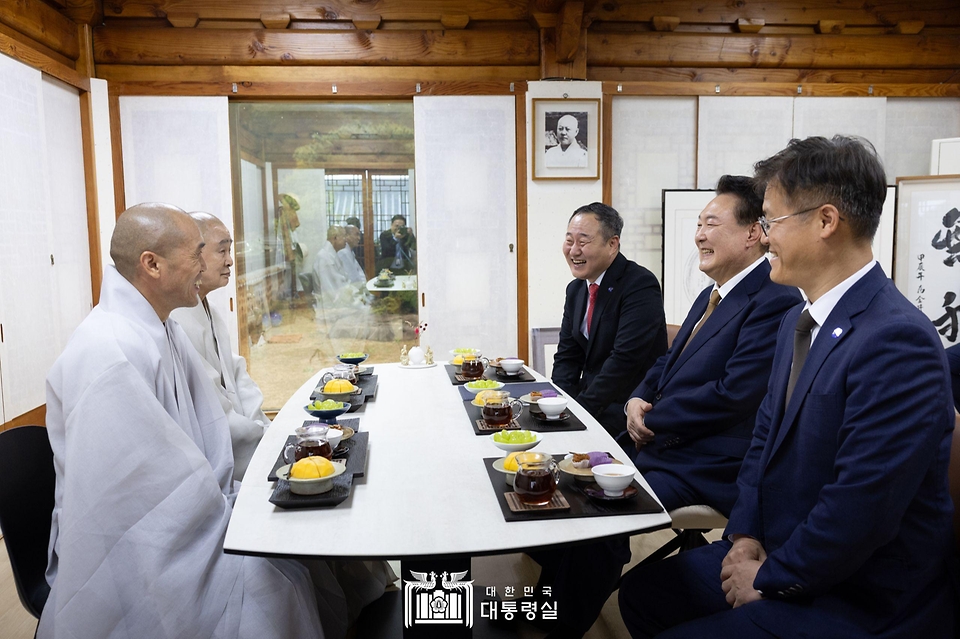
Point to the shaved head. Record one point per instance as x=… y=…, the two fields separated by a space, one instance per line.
x=146 y=227
x=157 y=248
x=207 y=222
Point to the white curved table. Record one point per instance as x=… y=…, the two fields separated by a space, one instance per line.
x=425 y=491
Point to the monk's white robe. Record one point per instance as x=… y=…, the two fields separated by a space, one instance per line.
x=144 y=493
x=351 y=266
x=240 y=397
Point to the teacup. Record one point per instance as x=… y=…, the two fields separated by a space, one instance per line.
x=613 y=478
x=552 y=407
x=511 y=365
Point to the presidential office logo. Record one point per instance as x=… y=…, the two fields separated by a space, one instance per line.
x=424 y=602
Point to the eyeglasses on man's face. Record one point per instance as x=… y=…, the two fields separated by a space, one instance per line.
x=765 y=224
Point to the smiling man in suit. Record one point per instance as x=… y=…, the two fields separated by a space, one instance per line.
x=613 y=326
x=843 y=523
x=692 y=416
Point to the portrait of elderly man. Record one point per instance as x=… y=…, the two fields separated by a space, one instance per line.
x=843 y=525
x=568 y=152
x=240 y=397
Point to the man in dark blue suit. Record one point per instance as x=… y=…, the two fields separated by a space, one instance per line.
x=692 y=416
x=843 y=523
x=613 y=327
x=953 y=356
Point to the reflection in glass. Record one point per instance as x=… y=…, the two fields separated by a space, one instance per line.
x=324 y=204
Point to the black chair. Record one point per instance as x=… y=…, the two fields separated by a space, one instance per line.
x=27 y=482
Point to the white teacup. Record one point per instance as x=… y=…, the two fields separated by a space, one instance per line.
x=613 y=478
x=552 y=407
x=512 y=365
x=334 y=435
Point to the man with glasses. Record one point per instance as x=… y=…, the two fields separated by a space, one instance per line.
x=843 y=524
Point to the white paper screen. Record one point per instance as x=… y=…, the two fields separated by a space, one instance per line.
x=466 y=220
x=735 y=132
x=826 y=117
x=177 y=150
x=27 y=309
x=654 y=148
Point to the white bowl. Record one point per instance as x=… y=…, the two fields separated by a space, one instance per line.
x=498 y=386
x=552 y=407
x=512 y=448
x=315 y=486
x=334 y=435
x=511 y=365
x=613 y=478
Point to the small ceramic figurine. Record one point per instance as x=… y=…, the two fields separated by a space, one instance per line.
x=404 y=358
x=429 y=355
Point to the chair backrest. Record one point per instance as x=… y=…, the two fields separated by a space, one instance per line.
x=540 y=338
x=27 y=483
x=672 y=330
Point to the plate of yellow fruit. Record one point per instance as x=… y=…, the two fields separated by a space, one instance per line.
x=311 y=475
x=483 y=384
x=515 y=440
x=339 y=389
x=355 y=357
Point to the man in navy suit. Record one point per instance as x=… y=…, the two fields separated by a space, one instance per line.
x=613 y=327
x=843 y=523
x=953 y=356
x=692 y=416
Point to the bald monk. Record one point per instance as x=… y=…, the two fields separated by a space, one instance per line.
x=239 y=395
x=144 y=466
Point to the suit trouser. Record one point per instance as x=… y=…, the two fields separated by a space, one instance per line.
x=582 y=578
x=681 y=597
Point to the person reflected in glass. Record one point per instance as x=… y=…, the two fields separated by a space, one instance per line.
x=287 y=224
x=352 y=268
x=398 y=246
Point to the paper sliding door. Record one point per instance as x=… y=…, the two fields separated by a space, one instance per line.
x=466 y=201
x=177 y=150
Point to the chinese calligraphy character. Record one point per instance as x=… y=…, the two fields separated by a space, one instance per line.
x=950 y=242
x=949 y=318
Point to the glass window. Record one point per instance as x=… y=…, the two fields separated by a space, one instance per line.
x=325 y=229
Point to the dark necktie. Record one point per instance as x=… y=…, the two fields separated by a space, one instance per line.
x=801 y=347
x=590 y=304
x=711 y=306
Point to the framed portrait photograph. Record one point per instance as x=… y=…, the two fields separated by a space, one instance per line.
x=928 y=249
x=566 y=139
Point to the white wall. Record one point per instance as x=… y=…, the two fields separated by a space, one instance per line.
x=549 y=206
x=103 y=150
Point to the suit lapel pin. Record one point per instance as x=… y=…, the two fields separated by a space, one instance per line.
x=837 y=332
x=610 y=290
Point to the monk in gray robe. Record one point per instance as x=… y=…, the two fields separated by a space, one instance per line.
x=240 y=397
x=145 y=470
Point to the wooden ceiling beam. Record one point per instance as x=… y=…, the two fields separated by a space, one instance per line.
x=809 y=12
x=243 y=75
x=84 y=11
x=568 y=31
x=114 y=45
x=275 y=20
x=794 y=76
x=42 y=23
x=802 y=51
x=347 y=10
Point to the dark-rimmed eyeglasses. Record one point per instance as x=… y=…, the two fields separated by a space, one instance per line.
x=765 y=224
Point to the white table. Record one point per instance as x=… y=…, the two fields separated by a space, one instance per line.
x=400 y=283
x=425 y=492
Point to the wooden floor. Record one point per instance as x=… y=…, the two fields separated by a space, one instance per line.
x=15 y=621
x=504 y=570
